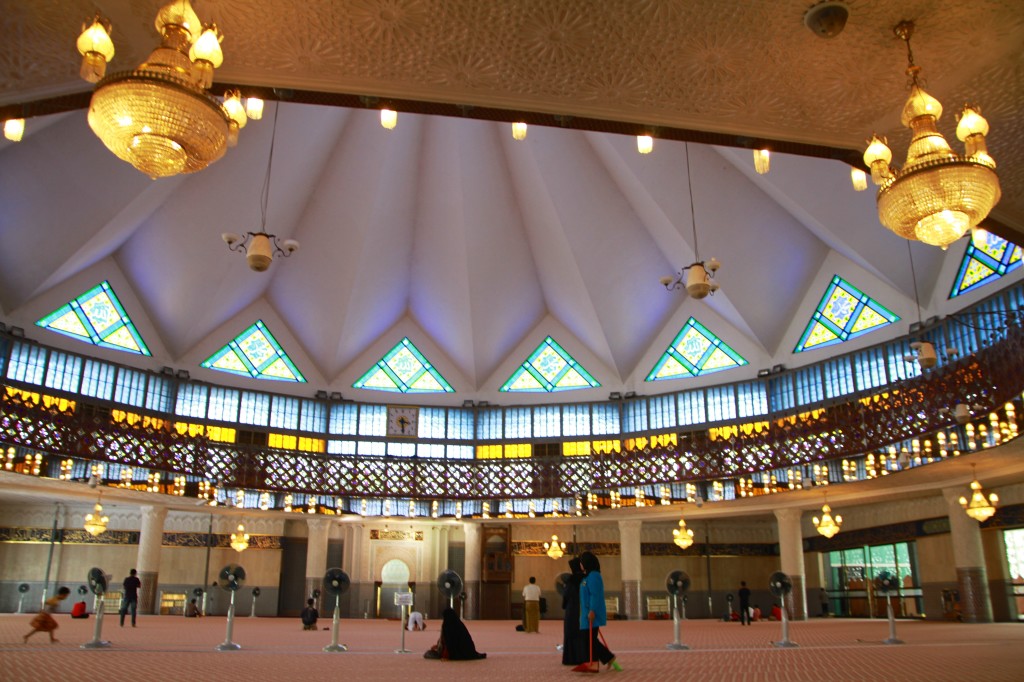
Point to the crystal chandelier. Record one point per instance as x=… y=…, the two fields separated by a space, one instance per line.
x=979 y=507
x=240 y=540
x=938 y=195
x=554 y=549
x=159 y=117
x=96 y=522
x=827 y=525
x=682 y=536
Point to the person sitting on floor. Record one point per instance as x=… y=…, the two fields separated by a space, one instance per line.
x=192 y=610
x=309 y=616
x=455 y=642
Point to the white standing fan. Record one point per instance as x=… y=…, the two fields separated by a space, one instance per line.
x=336 y=583
x=677 y=583
x=97 y=580
x=230 y=578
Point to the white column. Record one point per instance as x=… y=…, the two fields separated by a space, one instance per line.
x=632 y=571
x=969 y=557
x=473 y=570
x=316 y=554
x=791 y=553
x=147 y=562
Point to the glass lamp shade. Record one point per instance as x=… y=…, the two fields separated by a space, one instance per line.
x=827 y=525
x=96 y=48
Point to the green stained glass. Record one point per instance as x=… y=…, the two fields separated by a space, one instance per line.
x=984 y=263
x=549 y=368
x=694 y=351
x=404 y=369
x=97 y=317
x=255 y=353
x=844 y=313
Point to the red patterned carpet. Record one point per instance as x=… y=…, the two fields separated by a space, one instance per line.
x=175 y=648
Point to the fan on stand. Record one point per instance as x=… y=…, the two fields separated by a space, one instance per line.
x=22 y=591
x=677 y=583
x=97 y=580
x=885 y=584
x=336 y=583
x=450 y=584
x=255 y=596
x=230 y=578
x=200 y=595
x=780 y=586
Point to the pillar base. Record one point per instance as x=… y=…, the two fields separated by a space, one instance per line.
x=975 y=604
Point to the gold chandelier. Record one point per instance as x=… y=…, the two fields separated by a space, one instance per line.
x=682 y=536
x=159 y=117
x=96 y=522
x=554 y=549
x=240 y=540
x=979 y=507
x=827 y=525
x=938 y=195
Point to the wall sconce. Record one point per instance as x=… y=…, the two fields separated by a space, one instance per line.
x=388 y=118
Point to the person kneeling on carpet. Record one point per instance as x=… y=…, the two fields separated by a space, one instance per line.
x=309 y=616
x=455 y=642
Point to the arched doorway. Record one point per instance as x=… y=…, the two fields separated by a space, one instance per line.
x=394 y=577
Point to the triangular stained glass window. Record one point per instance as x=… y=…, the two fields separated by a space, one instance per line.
x=404 y=369
x=549 y=368
x=985 y=262
x=844 y=313
x=97 y=317
x=255 y=353
x=694 y=351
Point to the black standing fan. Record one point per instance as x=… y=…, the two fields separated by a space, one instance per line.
x=780 y=585
x=887 y=583
x=336 y=583
x=677 y=583
x=22 y=591
x=230 y=578
x=97 y=580
x=561 y=582
x=255 y=596
x=450 y=584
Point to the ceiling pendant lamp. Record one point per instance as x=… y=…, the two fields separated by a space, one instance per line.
x=682 y=536
x=554 y=549
x=96 y=522
x=699 y=275
x=980 y=507
x=938 y=195
x=159 y=117
x=827 y=525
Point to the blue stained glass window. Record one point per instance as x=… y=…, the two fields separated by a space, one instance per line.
x=844 y=313
x=404 y=369
x=694 y=351
x=985 y=262
x=255 y=353
x=549 y=368
x=97 y=317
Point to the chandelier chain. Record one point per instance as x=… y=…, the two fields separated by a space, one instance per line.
x=689 y=187
x=913 y=276
x=266 y=181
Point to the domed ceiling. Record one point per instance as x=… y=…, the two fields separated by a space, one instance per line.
x=477 y=247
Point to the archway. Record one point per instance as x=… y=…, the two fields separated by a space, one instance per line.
x=394 y=577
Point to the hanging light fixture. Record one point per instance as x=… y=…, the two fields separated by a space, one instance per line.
x=762 y=161
x=699 y=275
x=519 y=131
x=259 y=247
x=554 y=549
x=979 y=507
x=827 y=525
x=644 y=144
x=14 y=129
x=96 y=522
x=240 y=540
x=938 y=195
x=922 y=352
x=682 y=536
x=159 y=116
x=388 y=118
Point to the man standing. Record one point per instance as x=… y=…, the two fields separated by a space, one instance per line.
x=130 y=597
x=744 y=593
x=531 y=597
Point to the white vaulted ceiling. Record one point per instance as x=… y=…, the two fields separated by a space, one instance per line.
x=474 y=245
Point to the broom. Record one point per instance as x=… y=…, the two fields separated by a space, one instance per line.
x=591 y=665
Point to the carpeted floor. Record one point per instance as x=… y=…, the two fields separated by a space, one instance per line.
x=175 y=648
